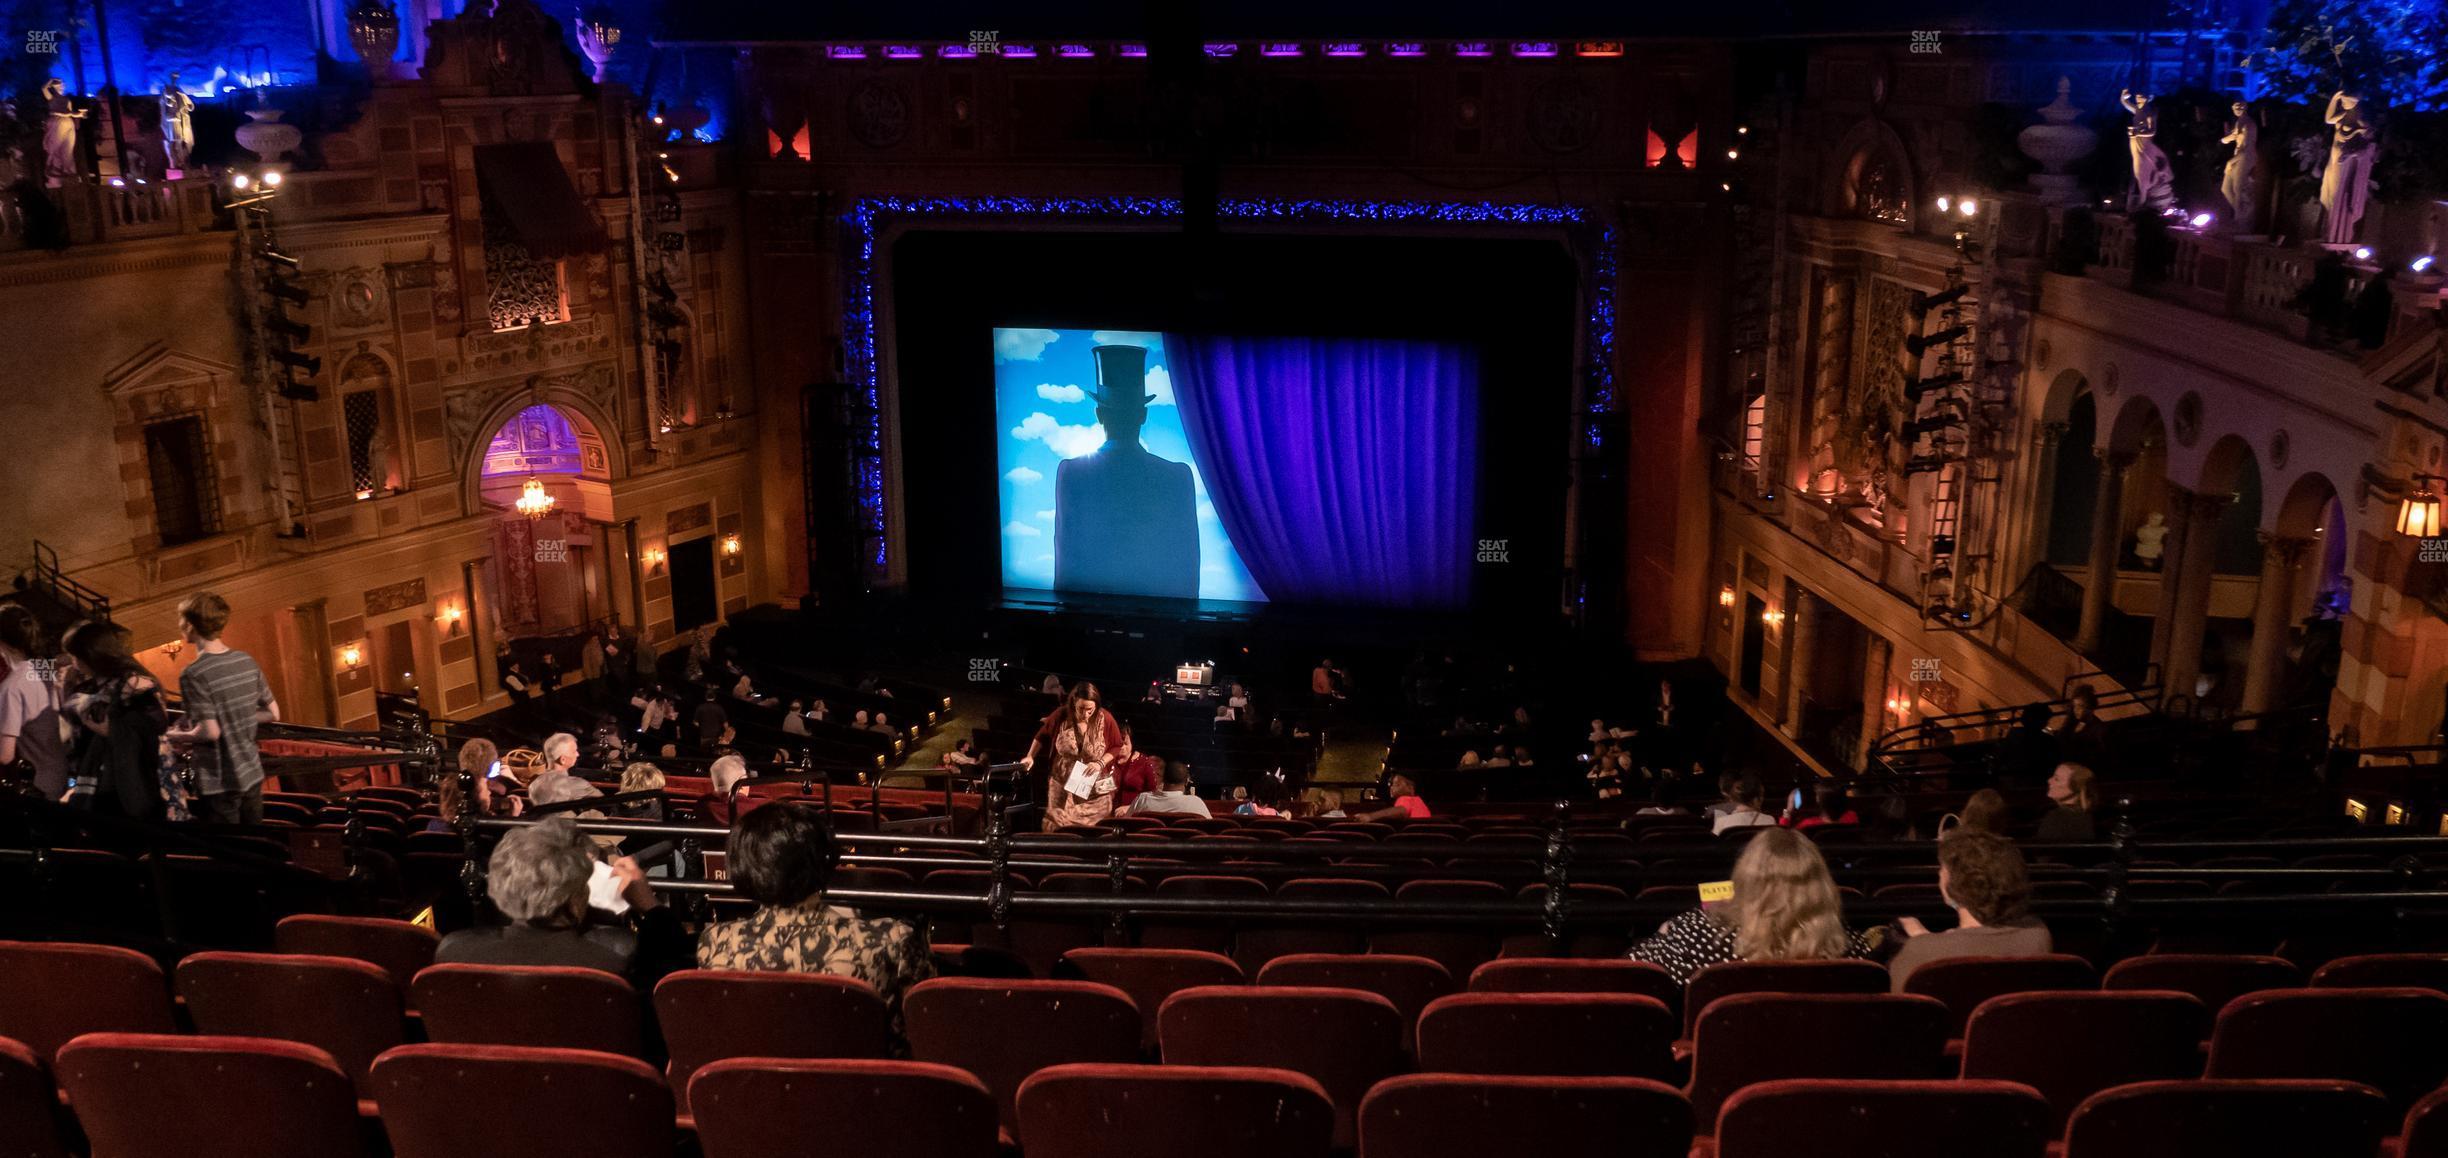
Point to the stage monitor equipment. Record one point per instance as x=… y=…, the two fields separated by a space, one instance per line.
x=1194 y=675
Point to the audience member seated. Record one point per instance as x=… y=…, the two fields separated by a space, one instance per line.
x=1981 y=877
x=1322 y=804
x=726 y=775
x=1174 y=797
x=794 y=720
x=2080 y=733
x=642 y=777
x=477 y=758
x=1663 y=795
x=1785 y=908
x=539 y=879
x=1726 y=783
x=1405 y=801
x=1746 y=813
x=963 y=756
x=782 y=856
x=2070 y=789
x=2025 y=754
x=1984 y=811
x=712 y=722
x=1827 y=808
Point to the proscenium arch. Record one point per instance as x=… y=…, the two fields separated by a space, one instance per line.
x=582 y=414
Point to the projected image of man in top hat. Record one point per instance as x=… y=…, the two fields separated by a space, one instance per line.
x=1124 y=520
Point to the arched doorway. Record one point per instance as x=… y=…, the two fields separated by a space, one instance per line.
x=545 y=475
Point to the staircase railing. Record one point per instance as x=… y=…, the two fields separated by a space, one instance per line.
x=47 y=577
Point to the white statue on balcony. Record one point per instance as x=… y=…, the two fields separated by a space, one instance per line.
x=2243 y=168
x=177 y=125
x=2154 y=184
x=2150 y=541
x=60 y=116
x=2346 y=183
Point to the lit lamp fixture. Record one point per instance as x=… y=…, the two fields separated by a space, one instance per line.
x=654 y=559
x=352 y=657
x=731 y=544
x=2419 y=515
x=1773 y=618
x=532 y=501
x=1725 y=597
x=450 y=617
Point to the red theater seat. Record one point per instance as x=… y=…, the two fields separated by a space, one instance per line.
x=1738 y=977
x=1131 y=1111
x=772 y=1107
x=1964 y=982
x=709 y=1014
x=1568 y=1034
x=1343 y=1039
x=1577 y=975
x=400 y=948
x=1151 y=975
x=1457 y=1116
x=50 y=993
x=1003 y=1031
x=344 y=1007
x=2215 y=978
x=543 y=1006
x=1409 y=982
x=2426 y=1128
x=2230 y=1119
x=1761 y=1037
x=2385 y=970
x=144 y=1095
x=1253 y=947
x=1205 y=934
x=1458 y=949
x=2070 y=1046
x=506 y=1101
x=2388 y=1039
x=1827 y=1118
x=29 y=1111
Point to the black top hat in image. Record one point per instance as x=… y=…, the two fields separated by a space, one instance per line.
x=1121 y=375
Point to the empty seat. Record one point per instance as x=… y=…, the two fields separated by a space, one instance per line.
x=1041 y=941
x=2215 y=978
x=2231 y=1119
x=508 y=1101
x=1739 y=977
x=2385 y=970
x=1964 y=982
x=772 y=1107
x=2388 y=1039
x=1206 y=934
x=2426 y=1128
x=29 y=1113
x=1577 y=975
x=2070 y=1046
x=50 y=993
x=711 y=1014
x=1253 y=947
x=1151 y=975
x=399 y=947
x=1132 y=1111
x=530 y=1005
x=1837 y=1118
x=1408 y=982
x=1345 y=1040
x=1760 y=1037
x=1567 y=1034
x=1465 y=1116
x=1003 y=1031
x=1458 y=948
x=347 y=1008
x=142 y=1095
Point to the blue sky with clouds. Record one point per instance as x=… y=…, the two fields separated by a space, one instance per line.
x=1042 y=410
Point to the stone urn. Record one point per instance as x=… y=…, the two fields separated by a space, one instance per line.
x=599 y=35
x=2059 y=140
x=374 y=31
x=265 y=136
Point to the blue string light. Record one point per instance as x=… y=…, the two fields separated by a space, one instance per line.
x=868 y=217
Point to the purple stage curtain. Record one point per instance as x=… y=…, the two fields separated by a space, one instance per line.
x=1344 y=469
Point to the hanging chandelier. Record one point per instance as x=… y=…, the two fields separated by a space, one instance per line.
x=532 y=501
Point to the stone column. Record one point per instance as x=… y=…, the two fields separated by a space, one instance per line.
x=2189 y=610
x=1875 y=659
x=2264 y=666
x=1802 y=619
x=2107 y=510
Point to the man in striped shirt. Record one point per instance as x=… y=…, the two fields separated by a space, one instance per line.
x=225 y=697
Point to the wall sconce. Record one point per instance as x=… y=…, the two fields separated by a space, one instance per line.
x=731 y=544
x=1725 y=596
x=450 y=618
x=2419 y=515
x=352 y=657
x=1773 y=618
x=654 y=560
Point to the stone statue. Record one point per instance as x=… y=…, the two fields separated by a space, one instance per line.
x=2154 y=184
x=177 y=125
x=60 y=116
x=2346 y=183
x=2243 y=168
x=2150 y=541
x=382 y=466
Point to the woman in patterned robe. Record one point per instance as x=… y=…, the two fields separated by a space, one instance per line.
x=1079 y=732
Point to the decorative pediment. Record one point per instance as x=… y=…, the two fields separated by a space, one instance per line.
x=158 y=367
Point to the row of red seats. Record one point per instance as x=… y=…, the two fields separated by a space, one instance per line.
x=1321 y=1017
x=154 y=1096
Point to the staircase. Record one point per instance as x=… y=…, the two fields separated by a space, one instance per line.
x=56 y=600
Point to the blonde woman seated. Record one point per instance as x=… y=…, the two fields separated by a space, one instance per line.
x=1785 y=908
